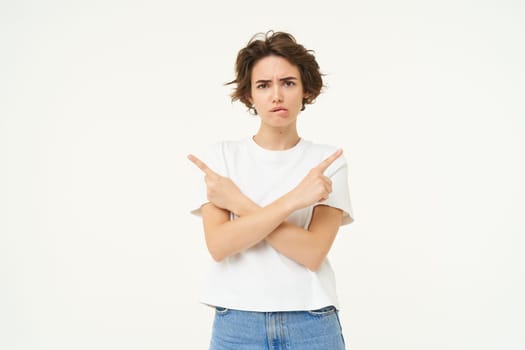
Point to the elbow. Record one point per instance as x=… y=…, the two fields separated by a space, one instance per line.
x=216 y=253
x=216 y=257
x=313 y=266
x=316 y=257
x=314 y=262
x=213 y=246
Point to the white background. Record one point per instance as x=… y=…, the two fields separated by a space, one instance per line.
x=100 y=101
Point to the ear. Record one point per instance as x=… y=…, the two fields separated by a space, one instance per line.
x=306 y=95
x=249 y=99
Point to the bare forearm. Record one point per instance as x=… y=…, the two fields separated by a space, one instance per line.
x=306 y=247
x=298 y=244
x=290 y=240
x=235 y=236
x=244 y=206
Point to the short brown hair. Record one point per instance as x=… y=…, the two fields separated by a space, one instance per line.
x=278 y=44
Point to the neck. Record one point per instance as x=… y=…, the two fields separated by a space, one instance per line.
x=276 y=139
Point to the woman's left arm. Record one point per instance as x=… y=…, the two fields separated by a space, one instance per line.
x=308 y=247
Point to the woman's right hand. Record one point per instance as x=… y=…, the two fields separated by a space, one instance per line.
x=221 y=191
x=315 y=187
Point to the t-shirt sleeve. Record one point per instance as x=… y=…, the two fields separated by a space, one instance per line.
x=213 y=159
x=340 y=196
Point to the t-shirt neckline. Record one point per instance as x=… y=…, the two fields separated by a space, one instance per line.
x=276 y=155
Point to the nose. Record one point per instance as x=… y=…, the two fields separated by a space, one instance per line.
x=277 y=94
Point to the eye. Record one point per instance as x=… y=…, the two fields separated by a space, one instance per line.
x=261 y=86
x=289 y=83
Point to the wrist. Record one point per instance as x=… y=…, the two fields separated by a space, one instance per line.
x=243 y=205
x=289 y=202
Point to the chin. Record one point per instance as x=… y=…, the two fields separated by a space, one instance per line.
x=283 y=126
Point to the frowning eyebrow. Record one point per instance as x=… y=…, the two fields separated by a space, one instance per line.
x=269 y=81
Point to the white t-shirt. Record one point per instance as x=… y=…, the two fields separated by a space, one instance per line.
x=260 y=278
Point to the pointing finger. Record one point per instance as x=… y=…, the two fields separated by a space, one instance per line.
x=328 y=161
x=201 y=165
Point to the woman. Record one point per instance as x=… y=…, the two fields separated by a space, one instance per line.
x=273 y=206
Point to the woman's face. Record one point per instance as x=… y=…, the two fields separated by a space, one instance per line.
x=276 y=91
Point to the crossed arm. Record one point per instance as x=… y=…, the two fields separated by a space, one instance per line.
x=308 y=247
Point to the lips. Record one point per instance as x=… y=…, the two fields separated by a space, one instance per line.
x=277 y=109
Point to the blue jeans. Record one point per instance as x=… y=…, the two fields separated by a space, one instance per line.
x=291 y=330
